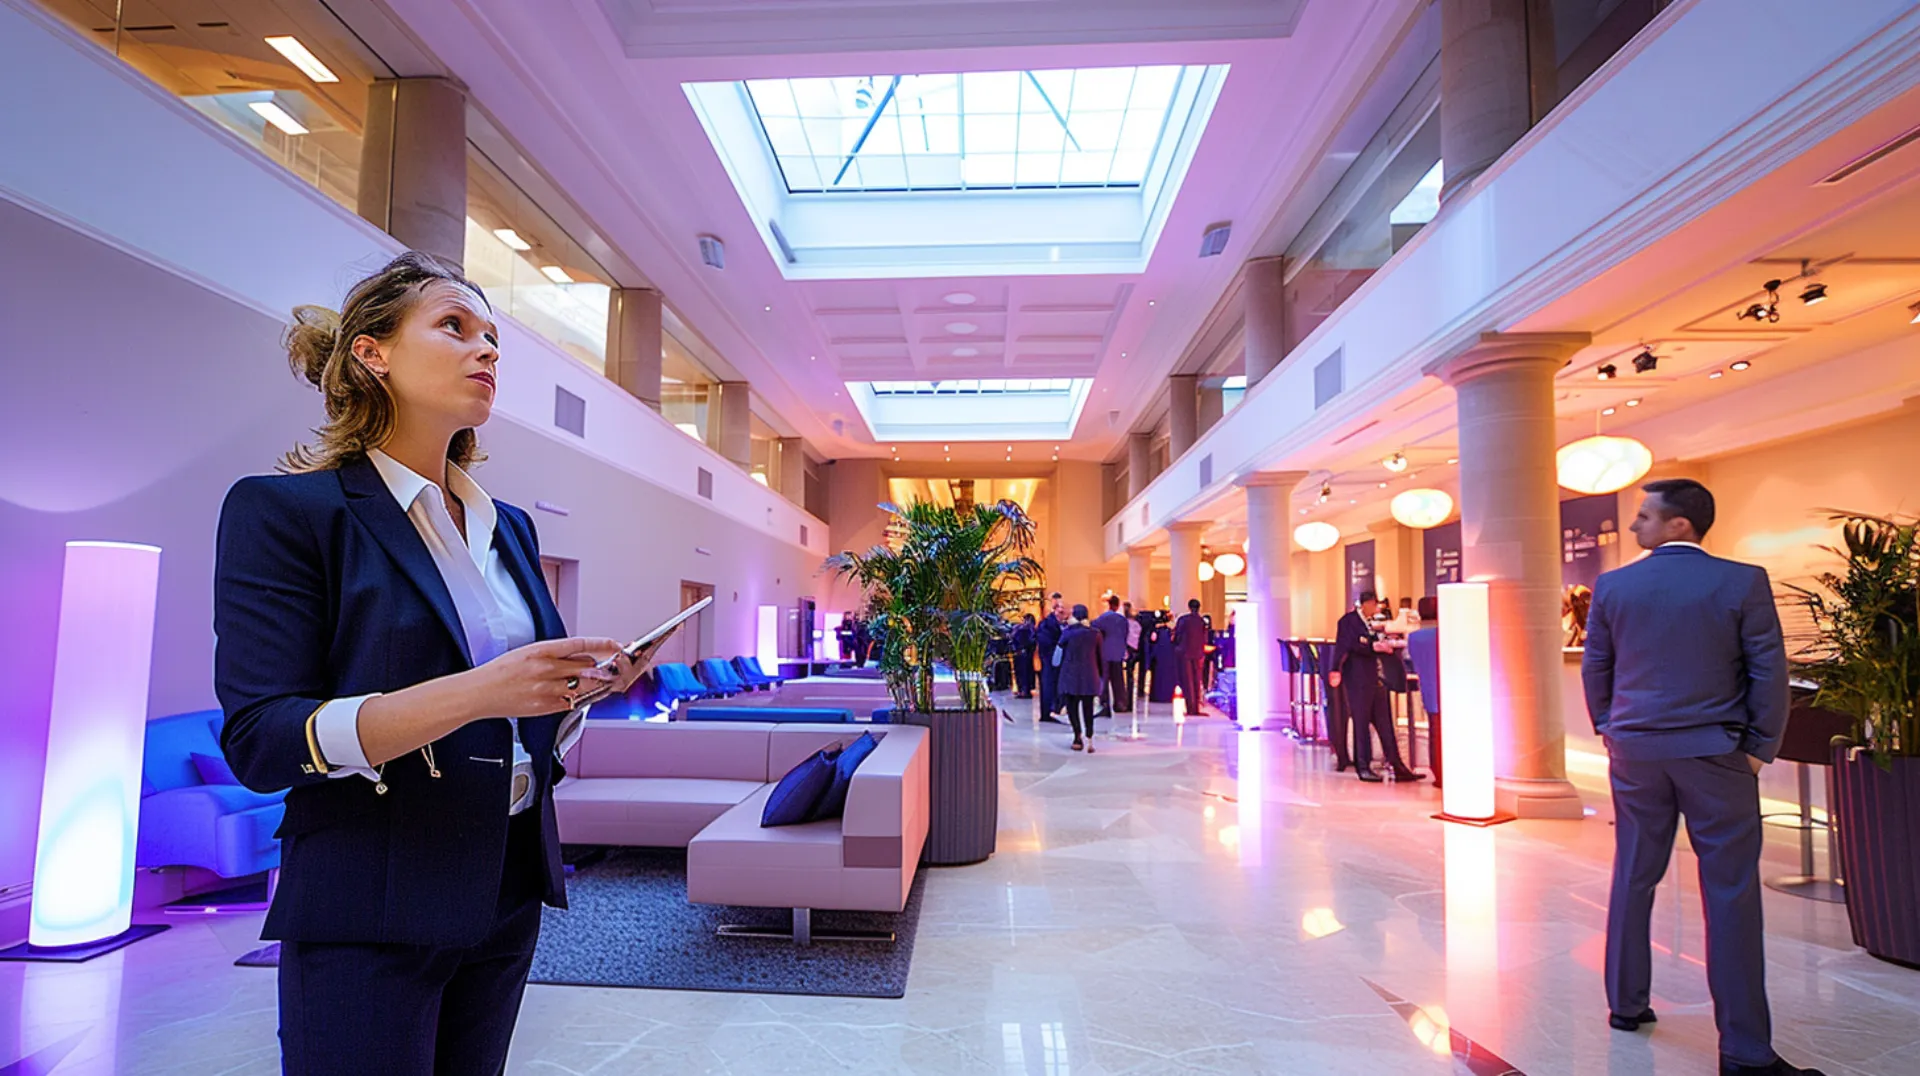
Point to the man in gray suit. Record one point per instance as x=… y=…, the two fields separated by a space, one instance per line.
x=1114 y=697
x=1686 y=679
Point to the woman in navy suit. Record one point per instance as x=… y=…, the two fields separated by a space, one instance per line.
x=388 y=653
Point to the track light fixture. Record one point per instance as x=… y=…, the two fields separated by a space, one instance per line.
x=1768 y=311
x=1395 y=463
x=1814 y=293
x=1326 y=492
x=1607 y=372
x=1645 y=362
x=1915 y=309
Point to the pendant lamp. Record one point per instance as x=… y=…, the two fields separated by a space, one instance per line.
x=1603 y=463
x=1229 y=564
x=1316 y=537
x=1421 y=508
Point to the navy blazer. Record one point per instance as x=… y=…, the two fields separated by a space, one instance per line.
x=1080 y=671
x=1685 y=658
x=1353 y=654
x=1047 y=635
x=323 y=589
x=1112 y=627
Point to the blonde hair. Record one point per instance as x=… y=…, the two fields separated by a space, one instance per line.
x=360 y=408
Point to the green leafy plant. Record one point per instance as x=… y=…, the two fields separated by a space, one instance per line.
x=940 y=593
x=1865 y=651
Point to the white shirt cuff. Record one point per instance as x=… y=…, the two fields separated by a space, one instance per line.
x=337 y=729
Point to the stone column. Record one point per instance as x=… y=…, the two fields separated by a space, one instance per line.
x=1209 y=408
x=792 y=479
x=1510 y=534
x=1186 y=564
x=413 y=164
x=1139 y=463
x=730 y=422
x=1183 y=414
x=1140 y=578
x=1270 y=579
x=634 y=342
x=1486 y=102
x=1263 y=300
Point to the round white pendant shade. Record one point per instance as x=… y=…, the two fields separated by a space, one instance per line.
x=1229 y=564
x=1206 y=572
x=1603 y=464
x=1316 y=537
x=1421 y=508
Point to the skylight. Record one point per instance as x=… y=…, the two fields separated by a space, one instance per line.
x=971 y=410
x=995 y=130
x=972 y=387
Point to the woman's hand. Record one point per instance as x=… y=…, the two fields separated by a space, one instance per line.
x=545 y=678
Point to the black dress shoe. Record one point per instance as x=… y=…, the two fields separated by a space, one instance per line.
x=1342 y=766
x=1409 y=775
x=1630 y=1023
x=1779 y=1067
x=1371 y=777
x=1051 y=720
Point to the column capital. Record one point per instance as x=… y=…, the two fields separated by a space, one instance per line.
x=1189 y=526
x=1493 y=352
x=1270 y=478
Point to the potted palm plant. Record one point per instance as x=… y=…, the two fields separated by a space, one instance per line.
x=940 y=591
x=1866 y=657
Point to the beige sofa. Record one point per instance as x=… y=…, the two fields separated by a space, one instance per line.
x=703 y=785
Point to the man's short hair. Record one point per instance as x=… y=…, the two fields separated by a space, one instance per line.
x=1685 y=499
x=1429 y=608
x=1079 y=612
x=1056 y=595
x=1113 y=601
x=1368 y=596
x=1193 y=605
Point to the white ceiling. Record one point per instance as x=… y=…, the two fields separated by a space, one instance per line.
x=597 y=103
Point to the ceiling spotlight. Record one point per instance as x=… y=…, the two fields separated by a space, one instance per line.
x=1149 y=302
x=1716 y=375
x=1395 y=463
x=1326 y=492
x=1454 y=459
x=1607 y=372
x=769 y=310
x=1644 y=362
x=1814 y=293
x=1608 y=410
x=1916 y=314
x=1768 y=311
x=1635 y=402
x=1739 y=364
x=1383 y=485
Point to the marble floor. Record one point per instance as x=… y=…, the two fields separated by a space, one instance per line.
x=1193 y=901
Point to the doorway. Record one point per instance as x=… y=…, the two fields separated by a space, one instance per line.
x=694 y=640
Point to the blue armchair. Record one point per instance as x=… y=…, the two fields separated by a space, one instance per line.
x=749 y=669
x=720 y=677
x=677 y=684
x=186 y=821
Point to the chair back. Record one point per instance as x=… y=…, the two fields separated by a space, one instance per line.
x=171 y=743
x=718 y=675
x=677 y=681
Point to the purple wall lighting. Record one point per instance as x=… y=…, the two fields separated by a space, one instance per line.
x=96 y=738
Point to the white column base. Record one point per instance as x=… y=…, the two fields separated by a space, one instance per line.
x=1552 y=797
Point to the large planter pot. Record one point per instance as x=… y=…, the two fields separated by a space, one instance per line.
x=1877 y=815
x=964 y=765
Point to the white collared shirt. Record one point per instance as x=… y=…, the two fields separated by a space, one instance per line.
x=1689 y=545
x=493 y=614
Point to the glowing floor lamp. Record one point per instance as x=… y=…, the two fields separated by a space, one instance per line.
x=831 y=625
x=766 y=644
x=1249 y=665
x=1466 y=705
x=96 y=741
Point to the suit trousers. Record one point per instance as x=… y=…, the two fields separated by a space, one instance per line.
x=1023 y=672
x=1367 y=707
x=1049 y=686
x=1117 y=698
x=1136 y=671
x=1719 y=797
x=416 y=1010
x=1193 y=681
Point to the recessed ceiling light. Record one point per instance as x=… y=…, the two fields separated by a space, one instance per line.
x=965 y=352
x=511 y=238
x=1608 y=410
x=960 y=298
x=1149 y=302
x=813 y=358
x=962 y=328
x=769 y=310
x=556 y=274
x=946 y=448
x=1383 y=485
x=1303 y=511
x=1716 y=375
x=277 y=116
x=1739 y=364
x=1455 y=459
x=1635 y=402
x=298 y=55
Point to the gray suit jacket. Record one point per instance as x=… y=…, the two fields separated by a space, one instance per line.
x=1685 y=658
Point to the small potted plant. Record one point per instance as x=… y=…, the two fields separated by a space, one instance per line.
x=941 y=589
x=1865 y=655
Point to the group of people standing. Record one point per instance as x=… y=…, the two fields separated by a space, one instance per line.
x=1088 y=667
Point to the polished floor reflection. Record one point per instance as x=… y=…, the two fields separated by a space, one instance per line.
x=1195 y=901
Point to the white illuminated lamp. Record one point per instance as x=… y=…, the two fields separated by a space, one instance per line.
x=1230 y=564
x=512 y=239
x=96 y=743
x=556 y=274
x=1317 y=536
x=301 y=57
x=277 y=116
x=1466 y=701
x=1602 y=463
x=1250 y=665
x=1206 y=572
x=1421 y=509
x=831 y=623
x=767 y=645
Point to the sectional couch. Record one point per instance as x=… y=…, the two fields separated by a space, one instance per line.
x=701 y=785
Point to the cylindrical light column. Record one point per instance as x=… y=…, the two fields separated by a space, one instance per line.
x=1510 y=534
x=1185 y=540
x=96 y=742
x=1269 y=593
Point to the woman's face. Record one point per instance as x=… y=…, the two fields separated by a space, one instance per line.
x=440 y=365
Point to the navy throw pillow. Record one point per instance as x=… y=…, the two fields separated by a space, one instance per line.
x=213 y=770
x=793 y=798
x=834 y=802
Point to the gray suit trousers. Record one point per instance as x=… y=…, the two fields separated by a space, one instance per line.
x=1720 y=799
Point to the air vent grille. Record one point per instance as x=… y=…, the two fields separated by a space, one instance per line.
x=569 y=412
x=713 y=252
x=705 y=482
x=1328 y=378
x=1872 y=158
x=1213 y=241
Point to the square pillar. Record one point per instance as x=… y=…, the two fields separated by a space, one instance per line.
x=413 y=164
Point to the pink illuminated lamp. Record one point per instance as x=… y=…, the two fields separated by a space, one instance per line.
x=1466 y=705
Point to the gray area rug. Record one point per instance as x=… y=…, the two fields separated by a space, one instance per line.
x=630 y=924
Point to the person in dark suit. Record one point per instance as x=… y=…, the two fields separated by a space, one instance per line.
x=1356 y=674
x=1023 y=645
x=1423 y=651
x=1146 y=619
x=1046 y=638
x=1685 y=673
x=388 y=654
x=1190 y=634
x=1077 y=660
x=1112 y=627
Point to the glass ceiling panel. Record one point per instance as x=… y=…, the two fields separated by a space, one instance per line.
x=993 y=130
x=973 y=387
